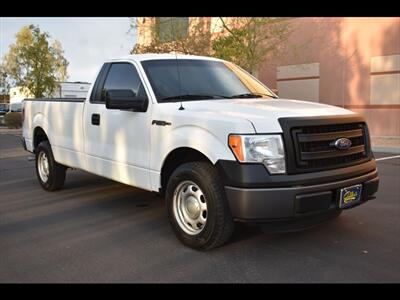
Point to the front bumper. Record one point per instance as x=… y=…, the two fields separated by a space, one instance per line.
x=296 y=201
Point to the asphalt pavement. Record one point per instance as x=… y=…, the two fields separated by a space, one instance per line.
x=98 y=230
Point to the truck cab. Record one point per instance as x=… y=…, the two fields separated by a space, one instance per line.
x=211 y=139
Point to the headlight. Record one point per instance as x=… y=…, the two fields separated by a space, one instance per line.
x=266 y=149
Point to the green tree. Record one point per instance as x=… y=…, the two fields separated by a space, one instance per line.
x=4 y=85
x=35 y=64
x=183 y=35
x=247 y=41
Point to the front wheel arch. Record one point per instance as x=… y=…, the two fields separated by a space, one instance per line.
x=219 y=224
x=176 y=158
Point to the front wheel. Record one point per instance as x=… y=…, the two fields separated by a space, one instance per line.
x=51 y=175
x=197 y=207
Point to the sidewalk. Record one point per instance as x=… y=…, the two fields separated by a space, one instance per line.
x=386 y=144
x=5 y=130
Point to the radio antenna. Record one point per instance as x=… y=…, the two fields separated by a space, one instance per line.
x=179 y=80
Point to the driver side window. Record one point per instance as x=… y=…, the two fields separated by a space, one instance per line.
x=124 y=79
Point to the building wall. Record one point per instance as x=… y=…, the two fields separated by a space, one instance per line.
x=17 y=94
x=72 y=90
x=349 y=62
x=359 y=67
x=145 y=26
x=64 y=90
x=300 y=82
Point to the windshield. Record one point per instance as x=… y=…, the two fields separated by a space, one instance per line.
x=193 y=79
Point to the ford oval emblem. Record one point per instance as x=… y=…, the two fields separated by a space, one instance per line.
x=342 y=143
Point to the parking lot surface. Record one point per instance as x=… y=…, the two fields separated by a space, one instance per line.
x=97 y=230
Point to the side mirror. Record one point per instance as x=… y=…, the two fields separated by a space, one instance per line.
x=125 y=99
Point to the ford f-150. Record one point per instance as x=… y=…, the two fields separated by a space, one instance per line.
x=211 y=139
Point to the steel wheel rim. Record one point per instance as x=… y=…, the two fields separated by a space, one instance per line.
x=43 y=166
x=190 y=207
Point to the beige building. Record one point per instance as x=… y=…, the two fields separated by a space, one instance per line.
x=17 y=94
x=349 y=62
x=76 y=89
x=344 y=61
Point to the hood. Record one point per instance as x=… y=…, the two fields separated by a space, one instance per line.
x=264 y=113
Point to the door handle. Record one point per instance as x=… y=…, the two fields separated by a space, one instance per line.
x=96 y=119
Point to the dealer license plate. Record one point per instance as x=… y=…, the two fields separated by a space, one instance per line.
x=350 y=196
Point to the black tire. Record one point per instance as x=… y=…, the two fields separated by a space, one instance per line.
x=219 y=225
x=57 y=171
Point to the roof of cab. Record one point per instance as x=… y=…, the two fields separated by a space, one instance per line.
x=153 y=56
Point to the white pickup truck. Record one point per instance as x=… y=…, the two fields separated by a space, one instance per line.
x=210 y=138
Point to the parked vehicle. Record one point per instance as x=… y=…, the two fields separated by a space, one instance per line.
x=3 y=109
x=211 y=139
x=16 y=107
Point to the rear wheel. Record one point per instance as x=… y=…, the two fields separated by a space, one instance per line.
x=51 y=175
x=197 y=207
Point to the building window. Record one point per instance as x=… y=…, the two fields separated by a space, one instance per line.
x=172 y=28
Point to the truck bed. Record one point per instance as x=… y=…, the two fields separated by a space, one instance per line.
x=61 y=119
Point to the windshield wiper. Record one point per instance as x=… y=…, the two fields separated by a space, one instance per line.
x=204 y=97
x=251 y=95
x=193 y=97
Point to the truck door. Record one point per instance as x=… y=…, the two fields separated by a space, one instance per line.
x=117 y=141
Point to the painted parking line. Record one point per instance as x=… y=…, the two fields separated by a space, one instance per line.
x=389 y=157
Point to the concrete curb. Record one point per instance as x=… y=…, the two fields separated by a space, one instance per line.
x=393 y=150
x=10 y=131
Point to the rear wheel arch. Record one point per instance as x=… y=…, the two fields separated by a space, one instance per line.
x=51 y=175
x=39 y=135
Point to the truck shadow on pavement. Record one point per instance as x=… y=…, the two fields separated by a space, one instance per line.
x=133 y=200
x=91 y=207
x=91 y=196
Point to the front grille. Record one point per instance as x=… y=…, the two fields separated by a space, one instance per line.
x=312 y=145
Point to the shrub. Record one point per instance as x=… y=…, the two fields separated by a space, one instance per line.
x=13 y=120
